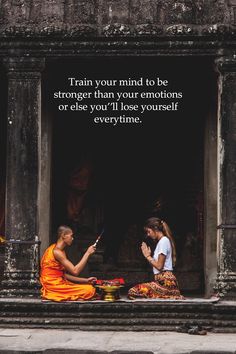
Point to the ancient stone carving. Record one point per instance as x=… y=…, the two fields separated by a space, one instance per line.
x=45 y=31
x=148 y=29
x=180 y=29
x=116 y=29
x=59 y=12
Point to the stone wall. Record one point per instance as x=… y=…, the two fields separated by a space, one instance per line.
x=123 y=17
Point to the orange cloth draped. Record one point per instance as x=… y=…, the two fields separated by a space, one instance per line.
x=55 y=286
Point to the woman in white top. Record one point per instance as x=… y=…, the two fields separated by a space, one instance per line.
x=165 y=285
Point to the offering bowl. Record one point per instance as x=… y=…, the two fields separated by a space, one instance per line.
x=110 y=292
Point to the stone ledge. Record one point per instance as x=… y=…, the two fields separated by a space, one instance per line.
x=75 y=351
x=118 y=316
x=117 y=30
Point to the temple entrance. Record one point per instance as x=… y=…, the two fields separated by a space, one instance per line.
x=114 y=177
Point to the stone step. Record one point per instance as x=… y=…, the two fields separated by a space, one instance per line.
x=128 y=316
x=98 y=316
x=108 y=321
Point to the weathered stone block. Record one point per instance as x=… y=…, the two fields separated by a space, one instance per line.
x=115 y=11
x=143 y=11
x=181 y=11
x=81 y=11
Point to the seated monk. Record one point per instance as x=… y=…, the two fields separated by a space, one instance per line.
x=57 y=285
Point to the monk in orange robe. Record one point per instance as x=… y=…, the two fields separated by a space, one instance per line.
x=57 y=285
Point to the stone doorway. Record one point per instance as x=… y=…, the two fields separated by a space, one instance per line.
x=165 y=168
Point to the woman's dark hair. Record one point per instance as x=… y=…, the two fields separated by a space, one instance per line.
x=63 y=230
x=157 y=224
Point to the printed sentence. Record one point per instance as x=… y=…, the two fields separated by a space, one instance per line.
x=80 y=96
x=112 y=82
x=115 y=120
x=173 y=106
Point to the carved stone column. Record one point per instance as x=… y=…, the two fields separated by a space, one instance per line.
x=226 y=277
x=23 y=176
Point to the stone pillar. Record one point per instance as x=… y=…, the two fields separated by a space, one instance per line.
x=210 y=201
x=226 y=256
x=21 y=271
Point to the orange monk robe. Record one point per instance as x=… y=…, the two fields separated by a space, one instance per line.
x=54 y=284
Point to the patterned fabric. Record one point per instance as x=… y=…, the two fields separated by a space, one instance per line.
x=55 y=286
x=165 y=286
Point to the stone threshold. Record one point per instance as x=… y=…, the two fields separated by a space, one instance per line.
x=81 y=351
x=123 y=299
x=75 y=351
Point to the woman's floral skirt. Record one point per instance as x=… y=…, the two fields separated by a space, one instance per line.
x=164 y=286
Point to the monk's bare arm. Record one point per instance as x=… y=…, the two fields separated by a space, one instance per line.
x=76 y=279
x=91 y=280
x=70 y=267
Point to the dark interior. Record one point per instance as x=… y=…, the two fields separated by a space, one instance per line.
x=136 y=170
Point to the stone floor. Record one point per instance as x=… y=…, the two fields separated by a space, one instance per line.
x=38 y=341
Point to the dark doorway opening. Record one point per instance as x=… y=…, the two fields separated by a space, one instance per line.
x=126 y=173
